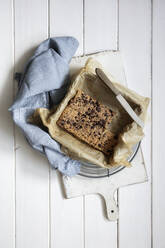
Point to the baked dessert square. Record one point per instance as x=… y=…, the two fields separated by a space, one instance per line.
x=89 y=121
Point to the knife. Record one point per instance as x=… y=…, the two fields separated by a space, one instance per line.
x=119 y=97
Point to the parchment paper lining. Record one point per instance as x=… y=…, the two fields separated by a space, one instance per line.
x=129 y=132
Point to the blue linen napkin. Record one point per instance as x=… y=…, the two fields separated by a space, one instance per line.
x=43 y=84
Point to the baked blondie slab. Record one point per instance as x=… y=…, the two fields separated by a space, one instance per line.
x=89 y=120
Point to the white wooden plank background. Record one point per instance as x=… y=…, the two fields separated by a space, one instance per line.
x=67 y=227
x=32 y=182
x=98 y=231
x=33 y=210
x=158 y=155
x=135 y=45
x=7 y=167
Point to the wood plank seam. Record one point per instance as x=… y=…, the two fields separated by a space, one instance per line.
x=83 y=27
x=117 y=27
x=117 y=47
x=151 y=72
x=84 y=237
x=14 y=127
x=49 y=177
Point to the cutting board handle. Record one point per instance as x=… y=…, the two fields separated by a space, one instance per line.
x=111 y=206
x=77 y=186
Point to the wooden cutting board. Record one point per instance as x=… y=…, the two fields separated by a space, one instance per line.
x=106 y=187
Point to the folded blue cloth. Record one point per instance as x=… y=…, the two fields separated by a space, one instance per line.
x=43 y=84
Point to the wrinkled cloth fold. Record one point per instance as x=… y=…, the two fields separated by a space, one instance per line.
x=43 y=84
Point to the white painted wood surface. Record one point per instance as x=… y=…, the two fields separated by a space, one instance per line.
x=158 y=155
x=135 y=45
x=32 y=182
x=97 y=36
x=67 y=227
x=33 y=211
x=7 y=167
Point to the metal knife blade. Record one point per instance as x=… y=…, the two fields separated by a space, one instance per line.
x=119 y=97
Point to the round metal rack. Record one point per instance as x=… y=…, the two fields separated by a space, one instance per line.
x=94 y=171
